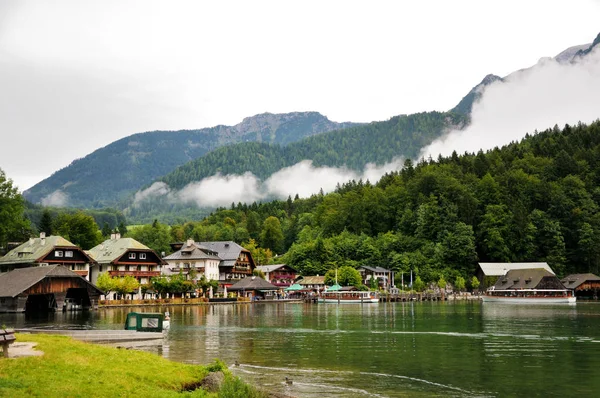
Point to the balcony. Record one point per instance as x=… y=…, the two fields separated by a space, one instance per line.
x=280 y=284
x=135 y=274
x=284 y=276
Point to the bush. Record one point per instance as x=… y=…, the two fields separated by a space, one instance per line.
x=234 y=387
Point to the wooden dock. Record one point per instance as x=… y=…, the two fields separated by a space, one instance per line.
x=99 y=335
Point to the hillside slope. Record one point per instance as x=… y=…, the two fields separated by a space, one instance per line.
x=377 y=142
x=110 y=174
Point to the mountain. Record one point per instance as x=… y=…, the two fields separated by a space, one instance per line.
x=465 y=105
x=377 y=142
x=110 y=174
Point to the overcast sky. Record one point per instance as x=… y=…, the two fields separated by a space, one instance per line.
x=78 y=75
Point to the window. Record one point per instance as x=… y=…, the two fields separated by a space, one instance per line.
x=69 y=253
x=142 y=256
x=58 y=253
x=132 y=256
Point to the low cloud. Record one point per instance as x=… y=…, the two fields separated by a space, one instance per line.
x=536 y=98
x=302 y=178
x=56 y=199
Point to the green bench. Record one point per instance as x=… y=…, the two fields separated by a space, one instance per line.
x=7 y=337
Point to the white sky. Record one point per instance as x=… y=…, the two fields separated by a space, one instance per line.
x=78 y=75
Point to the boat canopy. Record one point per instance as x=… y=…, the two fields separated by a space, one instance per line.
x=294 y=287
x=334 y=288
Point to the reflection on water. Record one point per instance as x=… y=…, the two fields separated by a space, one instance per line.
x=381 y=350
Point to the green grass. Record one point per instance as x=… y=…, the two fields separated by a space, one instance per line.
x=71 y=368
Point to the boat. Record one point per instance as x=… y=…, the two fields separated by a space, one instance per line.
x=529 y=286
x=147 y=322
x=342 y=296
x=530 y=296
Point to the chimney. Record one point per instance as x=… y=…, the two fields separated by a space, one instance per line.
x=118 y=236
x=43 y=238
x=190 y=242
x=112 y=236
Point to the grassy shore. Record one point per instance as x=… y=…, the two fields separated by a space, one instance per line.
x=70 y=368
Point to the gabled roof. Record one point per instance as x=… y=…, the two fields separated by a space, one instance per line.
x=17 y=281
x=112 y=249
x=253 y=283
x=228 y=250
x=499 y=269
x=195 y=251
x=274 y=267
x=374 y=269
x=573 y=281
x=523 y=278
x=35 y=248
x=312 y=280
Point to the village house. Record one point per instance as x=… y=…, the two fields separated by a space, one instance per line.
x=315 y=283
x=385 y=277
x=47 y=250
x=122 y=257
x=235 y=262
x=583 y=285
x=280 y=275
x=193 y=257
x=255 y=288
x=45 y=288
x=488 y=273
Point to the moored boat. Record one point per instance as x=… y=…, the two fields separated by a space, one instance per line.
x=530 y=296
x=349 y=296
x=529 y=286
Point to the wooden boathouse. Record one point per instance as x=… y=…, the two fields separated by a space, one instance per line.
x=45 y=288
x=585 y=286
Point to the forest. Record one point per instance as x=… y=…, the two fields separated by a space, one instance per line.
x=535 y=200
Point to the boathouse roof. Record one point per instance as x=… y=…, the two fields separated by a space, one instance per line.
x=499 y=269
x=253 y=283
x=527 y=279
x=374 y=269
x=575 y=280
x=15 y=282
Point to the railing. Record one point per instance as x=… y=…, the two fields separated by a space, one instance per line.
x=136 y=274
x=284 y=276
x=280 y=284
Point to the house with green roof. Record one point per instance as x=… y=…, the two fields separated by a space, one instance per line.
x=122 y=257
x=45 y=251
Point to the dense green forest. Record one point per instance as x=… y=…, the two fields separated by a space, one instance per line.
x=107 y=176
x=536 y=200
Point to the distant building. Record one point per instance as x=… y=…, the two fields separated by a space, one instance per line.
x=44 y=251
x=254 y=287
x=122 y=257
x=385 y=277
x=312 y=282
x=488 y=273
x=45 y=288
x=583 y=285
x=280 y=275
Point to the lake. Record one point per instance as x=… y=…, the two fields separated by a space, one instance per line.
x=451 y=349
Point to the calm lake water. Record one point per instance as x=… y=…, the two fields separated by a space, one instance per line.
x=383 y=350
